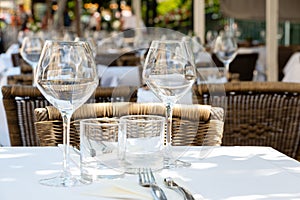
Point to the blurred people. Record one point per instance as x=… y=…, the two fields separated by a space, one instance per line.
x=129 y=22
x=1 y=42
x=67 y=18
x=95 y=22
x=23 y=18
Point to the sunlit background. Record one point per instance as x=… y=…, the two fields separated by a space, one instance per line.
x=173 y=14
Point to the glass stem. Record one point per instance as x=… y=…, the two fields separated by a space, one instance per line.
x=66 y=144
x=142 y=59
x=34 y=67
x=227 y=67
x=169 y=113
x=226 y=64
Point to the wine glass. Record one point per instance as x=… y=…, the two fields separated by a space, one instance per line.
x=169 y=71
x=225 y=48
x=31 y=50
x=67 y=77
x=141 y=45
x=91 y=42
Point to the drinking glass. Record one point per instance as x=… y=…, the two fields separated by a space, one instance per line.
x=91 y=42
x=66 y=75
x=169 y=71
x=99 y=154
x=141 y=45
x=140 y=137
x=31 y=50
x=225 y=48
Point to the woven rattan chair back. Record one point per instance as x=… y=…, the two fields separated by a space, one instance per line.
x=20 y=101
x=258 y=114
x=192 y=124
x=20 y=79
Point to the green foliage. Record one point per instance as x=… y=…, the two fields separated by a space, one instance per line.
x=174 y=14
x=166 y=6
x=212 y=6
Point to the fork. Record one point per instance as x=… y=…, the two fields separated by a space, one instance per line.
x=147 y=179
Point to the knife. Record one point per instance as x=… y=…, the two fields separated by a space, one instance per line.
x=170 y=183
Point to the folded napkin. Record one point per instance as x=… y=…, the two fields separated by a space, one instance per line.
x=119 y=189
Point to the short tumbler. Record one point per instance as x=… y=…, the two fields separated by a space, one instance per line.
x=141 y=142
x=99 y=149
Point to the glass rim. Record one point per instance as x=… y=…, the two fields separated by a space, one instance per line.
x=158 y=118
x=75 y=43
x=106 y=121
x=167 y=41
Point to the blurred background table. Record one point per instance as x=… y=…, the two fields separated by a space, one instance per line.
x=292 y=69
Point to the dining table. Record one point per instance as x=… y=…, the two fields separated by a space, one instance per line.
x=4 y=136
x=219 y=172
x=114 y=76
x=292 y=69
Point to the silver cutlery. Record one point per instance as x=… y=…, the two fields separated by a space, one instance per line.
x=147 y=179
x=170 y=183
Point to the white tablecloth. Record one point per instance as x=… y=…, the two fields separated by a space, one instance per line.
x=216 y=173
x=4 y=137
x=6 y=69
x=119 y=76
x=292 y=69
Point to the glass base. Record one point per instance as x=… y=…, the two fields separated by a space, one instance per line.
x=171 y=162
x=61 y=181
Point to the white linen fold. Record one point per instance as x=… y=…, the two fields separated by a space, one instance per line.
x=120 y=189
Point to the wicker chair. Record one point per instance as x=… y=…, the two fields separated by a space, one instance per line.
x=258 y=113
x=21 y=100
x=25 y=68
x=16 y=57
x=21 y=79
x=192 y=124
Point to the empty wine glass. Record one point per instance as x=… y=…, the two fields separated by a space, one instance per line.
x=169 y=71
x=225 y=48
x=90 y=41
x=67 y=77
x=31 y=50
x=141 y=45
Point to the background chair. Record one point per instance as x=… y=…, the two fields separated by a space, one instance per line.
x=117 y=59
x=21 y=79
x=243 y=64
x=284 y=54
x=20 y=101
x=192 y=124
x=258 y=113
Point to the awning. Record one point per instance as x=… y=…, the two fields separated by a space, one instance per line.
x=256 y=9
x=6 y=4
